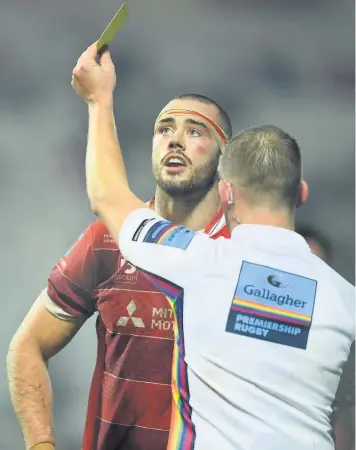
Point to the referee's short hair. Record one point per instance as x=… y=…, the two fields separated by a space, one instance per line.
x=265 y=164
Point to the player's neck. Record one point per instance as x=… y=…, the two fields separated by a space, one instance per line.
x=194 y=211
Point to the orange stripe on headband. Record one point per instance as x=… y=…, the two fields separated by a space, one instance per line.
x=187 y=112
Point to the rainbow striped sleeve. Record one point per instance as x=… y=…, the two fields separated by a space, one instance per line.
x=182 y=433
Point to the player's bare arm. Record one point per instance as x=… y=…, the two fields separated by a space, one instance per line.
x=108 y=190
x=39 y=337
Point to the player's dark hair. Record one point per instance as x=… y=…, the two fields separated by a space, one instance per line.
x=265 y=163
x=225 y=121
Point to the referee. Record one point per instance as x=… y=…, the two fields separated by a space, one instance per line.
x=263 y=326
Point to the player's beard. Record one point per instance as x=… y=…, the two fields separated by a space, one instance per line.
x=201 y=179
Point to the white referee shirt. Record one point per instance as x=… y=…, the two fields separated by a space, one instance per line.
x=264 y=328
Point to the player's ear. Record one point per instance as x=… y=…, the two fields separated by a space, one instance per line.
x=303 y=193
x=226 y=192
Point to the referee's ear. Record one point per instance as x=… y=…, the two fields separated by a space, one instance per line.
x=303 y=193
x=227 y=193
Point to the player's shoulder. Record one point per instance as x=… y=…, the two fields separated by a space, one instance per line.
x=101 y=238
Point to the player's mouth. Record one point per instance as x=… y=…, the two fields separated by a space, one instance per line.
x=175 y=163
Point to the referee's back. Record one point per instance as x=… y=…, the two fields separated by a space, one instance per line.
x=265 y=327
x=266 y=344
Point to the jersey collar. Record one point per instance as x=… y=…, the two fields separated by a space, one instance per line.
x=213 y=226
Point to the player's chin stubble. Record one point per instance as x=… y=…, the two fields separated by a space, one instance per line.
x=201 y=179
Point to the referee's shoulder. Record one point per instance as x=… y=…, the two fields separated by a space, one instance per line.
x=330 y=275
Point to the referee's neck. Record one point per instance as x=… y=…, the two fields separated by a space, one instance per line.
x=261 y=216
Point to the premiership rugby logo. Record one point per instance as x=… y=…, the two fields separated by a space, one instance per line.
x=272 y=305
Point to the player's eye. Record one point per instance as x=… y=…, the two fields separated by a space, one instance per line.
x=166 y=131
x=195 y=133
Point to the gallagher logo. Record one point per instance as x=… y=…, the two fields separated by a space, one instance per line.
x=276 y=281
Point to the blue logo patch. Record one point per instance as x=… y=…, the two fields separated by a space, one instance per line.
x=165 y=233
x=272 y=305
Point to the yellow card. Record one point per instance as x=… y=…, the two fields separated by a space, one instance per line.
x=116 y=23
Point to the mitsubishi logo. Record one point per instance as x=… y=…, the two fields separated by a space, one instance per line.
x=137 y=321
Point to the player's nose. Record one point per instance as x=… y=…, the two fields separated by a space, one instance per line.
x=176 y=144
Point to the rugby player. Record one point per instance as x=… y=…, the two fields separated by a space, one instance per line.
x=130 y=397
x=268 y=326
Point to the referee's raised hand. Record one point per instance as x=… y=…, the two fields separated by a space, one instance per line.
x=94 y=82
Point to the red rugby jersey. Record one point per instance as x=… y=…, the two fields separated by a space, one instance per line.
x=130 y=397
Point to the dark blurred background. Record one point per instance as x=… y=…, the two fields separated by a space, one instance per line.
x=283 y=62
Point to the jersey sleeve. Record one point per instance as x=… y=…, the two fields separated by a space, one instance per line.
x=158 y=247
x=72 y=281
